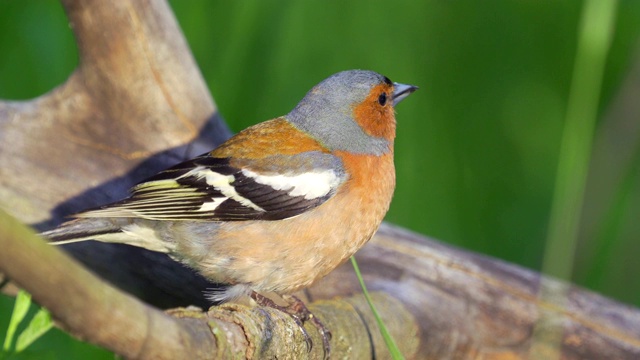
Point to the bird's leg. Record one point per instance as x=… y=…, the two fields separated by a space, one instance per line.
x=300 y=314
x=298 y=307
x=265 y=301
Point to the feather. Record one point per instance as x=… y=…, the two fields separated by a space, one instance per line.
x=219 y=189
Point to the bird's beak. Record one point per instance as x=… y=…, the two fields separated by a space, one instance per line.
x=401 y=91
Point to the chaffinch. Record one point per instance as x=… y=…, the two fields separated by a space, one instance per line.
x=275 y=207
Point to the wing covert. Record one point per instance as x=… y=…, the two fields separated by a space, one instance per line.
x=222 y=189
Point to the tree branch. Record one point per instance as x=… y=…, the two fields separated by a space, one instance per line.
x=127 y=112
x=136 y=105
x=91 y=309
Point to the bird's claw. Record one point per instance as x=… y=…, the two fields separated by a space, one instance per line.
x=300 y=314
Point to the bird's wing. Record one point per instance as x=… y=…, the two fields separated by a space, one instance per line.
x=222 y=189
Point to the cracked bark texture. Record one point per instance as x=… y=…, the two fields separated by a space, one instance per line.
x=137 y=104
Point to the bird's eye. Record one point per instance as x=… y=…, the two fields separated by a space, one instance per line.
x=382 y=99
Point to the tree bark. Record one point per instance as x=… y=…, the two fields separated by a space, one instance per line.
x=94 y=311
x=137 y=104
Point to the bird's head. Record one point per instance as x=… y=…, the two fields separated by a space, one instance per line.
x=352 y=111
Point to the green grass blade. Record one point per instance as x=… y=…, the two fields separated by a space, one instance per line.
x=391 y=344
x=20 y=309
x=38 y=326
x=594 y=38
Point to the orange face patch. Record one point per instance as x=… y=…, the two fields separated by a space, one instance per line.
x=377 y=119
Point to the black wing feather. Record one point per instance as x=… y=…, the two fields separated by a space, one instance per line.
x=183 y=193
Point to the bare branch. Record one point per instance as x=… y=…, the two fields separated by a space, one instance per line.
x=129 y=109
x=94 y=311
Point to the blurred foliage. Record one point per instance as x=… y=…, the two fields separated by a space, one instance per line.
x=477 y=145
x=56 y=344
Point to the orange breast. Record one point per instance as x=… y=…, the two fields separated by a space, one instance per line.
x=286 y=255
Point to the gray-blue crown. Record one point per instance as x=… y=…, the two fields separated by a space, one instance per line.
x=326 y=112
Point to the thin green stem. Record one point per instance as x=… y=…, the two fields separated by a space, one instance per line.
x=595 y=33
x=391 y=344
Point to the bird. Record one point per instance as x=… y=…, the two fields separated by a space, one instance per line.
x=277 y=206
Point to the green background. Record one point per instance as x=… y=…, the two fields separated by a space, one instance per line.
x=477 y=145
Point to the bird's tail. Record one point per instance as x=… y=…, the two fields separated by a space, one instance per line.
x=81 y=230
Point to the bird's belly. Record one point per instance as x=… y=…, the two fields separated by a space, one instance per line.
x=286 y=255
